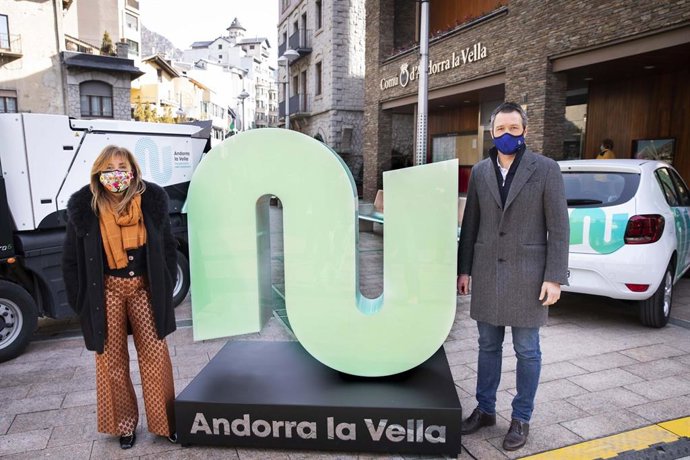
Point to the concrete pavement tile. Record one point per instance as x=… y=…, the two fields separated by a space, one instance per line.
x=560 y=329
x=71 y=452
x=53 y=418
x=551 y=413
x=556 y=389
x=540 y=439
x=37 y=350
x=658 y=369
x=596 y=426
x=461 y=357
x=261 y=454
x=559 y=370
x=604 y=361
x=685 y=359
x=652 y=352
x=482 y=449
x=23 y=442
x=660 y=411
x=5 y=422
x=602 y=380
x=26 y=405
x=195 y=453
x=28 y=378
x=489 y=432
x=607 y=400
x=656 y=390
x=65 y=435
x=508 y=364
x=462 y=372
x=460 y=345
x=16 y=392
x=86 y=382
x=79 y=398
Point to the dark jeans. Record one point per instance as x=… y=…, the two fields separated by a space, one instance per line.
x=526 y=345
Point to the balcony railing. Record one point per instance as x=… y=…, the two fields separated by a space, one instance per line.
x=299 y=105
x=10 y=46
x=300 y=41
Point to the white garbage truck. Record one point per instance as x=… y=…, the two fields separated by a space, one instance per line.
x=44 y=159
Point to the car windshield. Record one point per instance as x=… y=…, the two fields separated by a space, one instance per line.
x=599 y=189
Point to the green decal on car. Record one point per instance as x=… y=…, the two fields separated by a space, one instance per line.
x=595 y=219
x=681 y=219
x=231 y=265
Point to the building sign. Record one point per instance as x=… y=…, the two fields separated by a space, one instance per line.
x=468 y=55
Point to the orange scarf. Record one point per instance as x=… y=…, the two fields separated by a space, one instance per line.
x=122 y=232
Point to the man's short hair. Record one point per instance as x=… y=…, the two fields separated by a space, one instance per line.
x=509 y=107
x=607 y=143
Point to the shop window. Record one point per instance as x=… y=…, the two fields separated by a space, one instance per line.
x=96 y=99
x=575 y=124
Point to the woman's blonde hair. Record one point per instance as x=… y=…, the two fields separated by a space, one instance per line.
x=101 y=196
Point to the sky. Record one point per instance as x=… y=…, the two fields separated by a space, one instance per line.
x=183 y=22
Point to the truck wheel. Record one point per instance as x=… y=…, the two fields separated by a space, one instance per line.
x=655 y=311
x=18 y=314
x=182 y=283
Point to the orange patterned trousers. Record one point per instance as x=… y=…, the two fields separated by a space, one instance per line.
x=128 y=300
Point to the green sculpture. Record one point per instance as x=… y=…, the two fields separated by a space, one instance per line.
x=230 y=252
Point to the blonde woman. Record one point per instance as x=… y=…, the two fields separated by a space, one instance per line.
x=119 y=267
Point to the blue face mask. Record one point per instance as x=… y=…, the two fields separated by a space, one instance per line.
x=509 y=144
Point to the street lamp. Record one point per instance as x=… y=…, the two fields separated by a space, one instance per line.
x=242 y=96
x=287 y=57
x=423 y=91
x=180 y=111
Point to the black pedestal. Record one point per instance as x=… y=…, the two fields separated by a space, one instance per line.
x=275 y=395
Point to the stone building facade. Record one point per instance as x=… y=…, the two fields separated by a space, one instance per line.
x=326 y=97
x=549 y=57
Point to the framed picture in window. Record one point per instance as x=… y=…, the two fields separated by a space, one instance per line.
x=661 y=149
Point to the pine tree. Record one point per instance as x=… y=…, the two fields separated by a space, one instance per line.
x=107 y=47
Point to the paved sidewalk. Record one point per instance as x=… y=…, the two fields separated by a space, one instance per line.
x=603 y=373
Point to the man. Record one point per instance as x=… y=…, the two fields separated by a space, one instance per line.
x=514 y=245
x=606 y=150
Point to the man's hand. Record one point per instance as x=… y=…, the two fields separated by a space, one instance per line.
x=464 y=284
x=550 y=293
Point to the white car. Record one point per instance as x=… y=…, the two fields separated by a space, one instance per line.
x=629 y=224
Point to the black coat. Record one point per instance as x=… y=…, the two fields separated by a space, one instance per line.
x=83 y=269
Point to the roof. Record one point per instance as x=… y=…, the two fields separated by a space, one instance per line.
x=158 y=60
x=236 y=25
x=104 y=63
x=254 y=40
x=203 y=44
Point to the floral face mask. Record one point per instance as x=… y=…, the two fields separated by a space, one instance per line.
x=116 y=181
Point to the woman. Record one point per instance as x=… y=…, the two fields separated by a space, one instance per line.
x=119 y=264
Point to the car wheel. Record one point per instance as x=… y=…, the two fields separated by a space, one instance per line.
x=17 y=319
x=655 y=311
x=182 y=280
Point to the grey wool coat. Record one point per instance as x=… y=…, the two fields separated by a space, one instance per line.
x=510 y=251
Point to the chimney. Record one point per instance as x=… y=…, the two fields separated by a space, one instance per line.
x=123 y=49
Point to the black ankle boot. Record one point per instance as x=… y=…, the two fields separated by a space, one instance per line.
x=127 y=440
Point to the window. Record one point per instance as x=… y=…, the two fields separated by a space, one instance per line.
x=319 y=20
x=133 y=47
x=220 y=46
x=681 y=189
x=132 y=21
x=159 y=73
x=4 y=32
x=96 y=99
x=8 y=104
x=599 y=189
x=317 y=79
x=220 y=56
x=251 y=47
x=667 y=187
x=294 y=86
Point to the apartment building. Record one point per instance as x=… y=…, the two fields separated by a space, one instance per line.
x=321 y=48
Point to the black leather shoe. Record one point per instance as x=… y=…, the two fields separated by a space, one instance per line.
x=127 y=440
x=517 y=435
x=477 y=420
x=173 y=438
